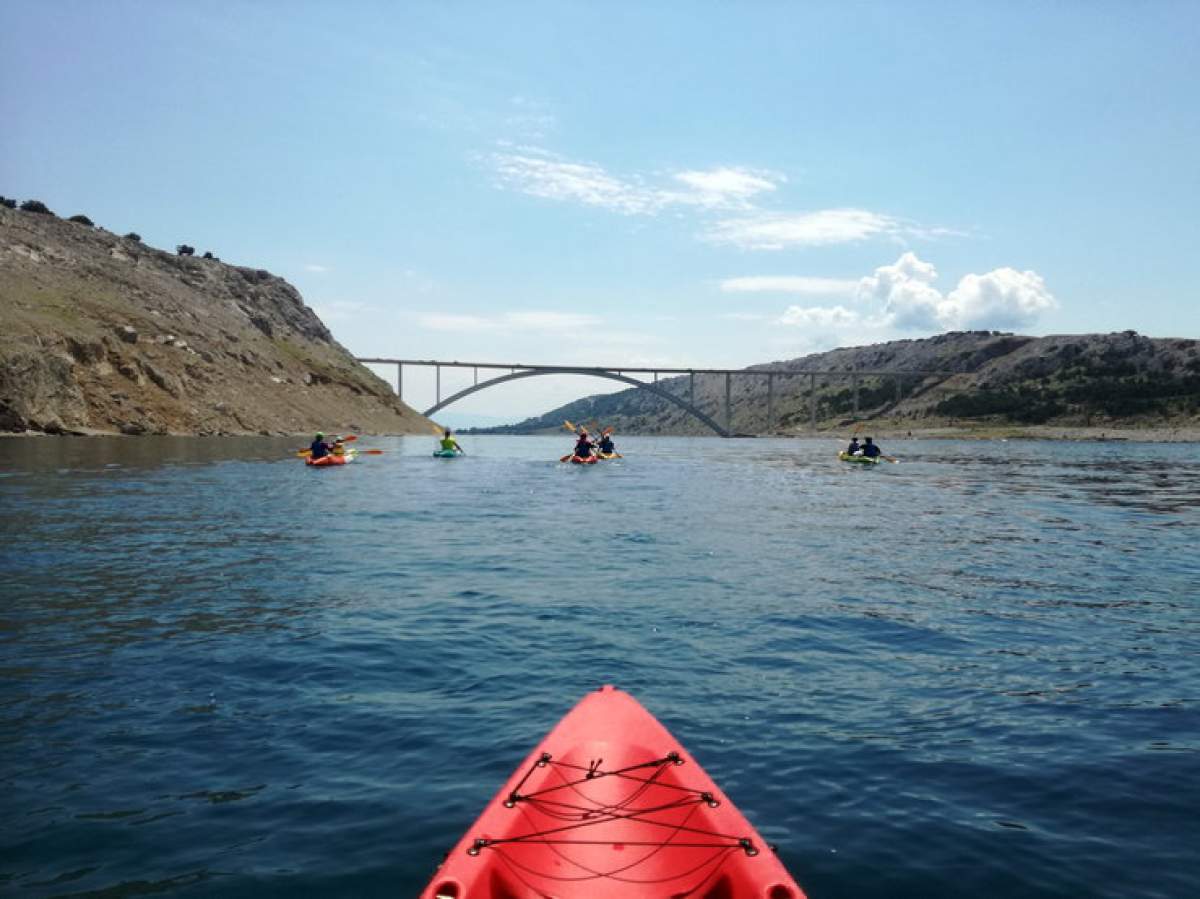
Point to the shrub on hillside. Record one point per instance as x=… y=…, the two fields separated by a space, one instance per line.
x=133 y=235
x=82 y=220
x=184 y=250
x=8 y=203
x=36 y=206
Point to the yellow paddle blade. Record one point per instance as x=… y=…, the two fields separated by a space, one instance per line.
x=568 y=425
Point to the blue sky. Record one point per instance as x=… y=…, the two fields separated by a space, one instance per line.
x=676 y=184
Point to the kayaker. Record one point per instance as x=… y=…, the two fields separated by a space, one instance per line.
x=584 y=445
x=870 y=450
x=449 y=444
x=319 y=448
x=853 y=449
x=606 y=444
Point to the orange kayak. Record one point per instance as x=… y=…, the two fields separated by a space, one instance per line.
x=609 y=805
x=332 y=459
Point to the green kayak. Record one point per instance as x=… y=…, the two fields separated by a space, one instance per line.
x=861 y=460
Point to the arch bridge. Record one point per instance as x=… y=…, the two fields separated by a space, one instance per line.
x=517 y=371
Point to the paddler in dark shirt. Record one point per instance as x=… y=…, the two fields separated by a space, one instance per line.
x=853 y=449
x=870 y=450
x=319 y=449
x=606 y=444
x=583 y=446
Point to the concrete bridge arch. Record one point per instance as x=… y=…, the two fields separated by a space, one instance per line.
x=590 y=372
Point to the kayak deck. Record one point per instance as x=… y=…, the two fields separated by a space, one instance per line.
x=331 y=459
x=862 y=460
x=609 y=806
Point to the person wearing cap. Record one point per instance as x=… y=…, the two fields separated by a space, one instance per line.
x=319 y=448
x=870 y=450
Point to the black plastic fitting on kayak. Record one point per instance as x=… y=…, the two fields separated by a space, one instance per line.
x=747 y=845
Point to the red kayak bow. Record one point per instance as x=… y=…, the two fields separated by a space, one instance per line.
x=607 y=806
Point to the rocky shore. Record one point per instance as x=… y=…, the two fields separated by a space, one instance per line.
x=101 y=334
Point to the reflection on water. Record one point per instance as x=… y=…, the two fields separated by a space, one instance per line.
x=972 y=673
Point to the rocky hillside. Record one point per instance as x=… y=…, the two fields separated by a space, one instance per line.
x=103 y=334
x=983 y=378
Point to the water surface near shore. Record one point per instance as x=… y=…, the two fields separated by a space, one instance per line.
x=973 y=673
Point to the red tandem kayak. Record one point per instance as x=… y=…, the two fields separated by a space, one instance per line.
x=607 y=806
x=584 y=460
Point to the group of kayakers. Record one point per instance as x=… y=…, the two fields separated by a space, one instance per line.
x=867 y=448
x=585 y=446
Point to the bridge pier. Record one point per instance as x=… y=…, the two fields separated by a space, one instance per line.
x=438 y=369
x=854 y=382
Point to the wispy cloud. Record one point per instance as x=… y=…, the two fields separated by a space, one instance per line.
x=777 y=231
x=722 y=187
x=555 y=179
x=732 y=191
x=538 y=173
x=317 y=269
x=797 y=284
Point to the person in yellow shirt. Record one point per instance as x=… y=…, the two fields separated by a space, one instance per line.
x=450 y=445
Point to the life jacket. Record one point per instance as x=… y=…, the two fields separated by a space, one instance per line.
x=319 y=449
x=448 y=443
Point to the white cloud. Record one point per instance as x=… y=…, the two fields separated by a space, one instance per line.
x=776 y=231
x=905 y=292
x=723 y=186
x=790 y=284
x=318 y=269
x=901 y=297
x=820 y=317
x=538 y=173
x=553 y=179
x=1003 y=298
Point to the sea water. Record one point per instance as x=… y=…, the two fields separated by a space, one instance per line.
x=975 y=672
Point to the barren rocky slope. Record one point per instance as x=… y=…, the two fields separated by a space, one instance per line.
x=103 y=334
x=984 y=379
